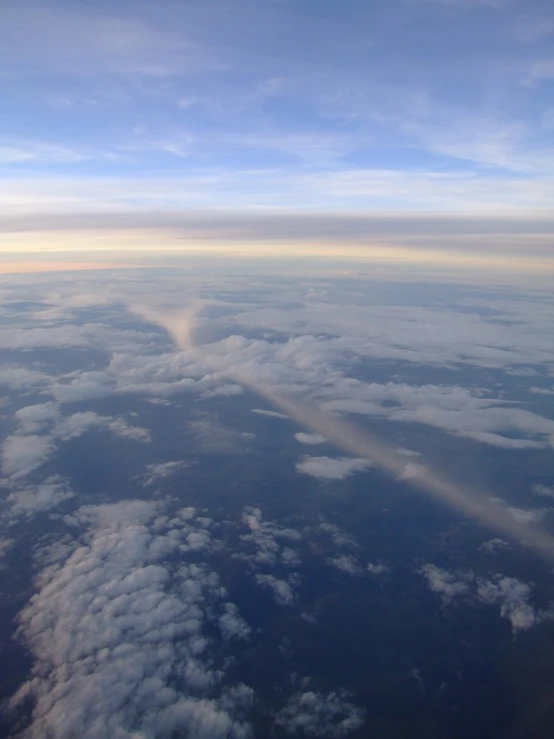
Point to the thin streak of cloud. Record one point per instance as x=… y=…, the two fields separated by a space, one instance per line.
x=361 y=443
x=346 y=189
x=358 y=442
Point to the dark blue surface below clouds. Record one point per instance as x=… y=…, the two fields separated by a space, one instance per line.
x=180 y=558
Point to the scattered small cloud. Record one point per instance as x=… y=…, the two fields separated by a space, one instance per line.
x=445 y=584
x=283 y=590
x=339 y=538
x=269 y=541
x=327 y=716
x=42 y=497
x=504 y=442
x=161 y=470
x=78 y=424
x=120 y=427
x=20 y=377
x=232 y=625
x=87 y=386
x=35 y=418
x=510 y=594
x=5 y=545
x=346 y=563
x=513 y=596
x=310 y=438
x=493 y=546
x=23 y=454
x=329 y=468
x=523 y=515
x=271 y=414
x=544 y=491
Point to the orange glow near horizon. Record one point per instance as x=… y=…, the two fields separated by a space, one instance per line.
x=29 y=267
x=54 y=251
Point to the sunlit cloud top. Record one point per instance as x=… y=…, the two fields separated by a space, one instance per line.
x=296 y=106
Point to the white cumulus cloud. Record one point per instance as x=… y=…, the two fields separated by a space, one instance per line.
x=330 y=715
x=330 y=468
x=310 y=438
x=42 y=497
x=23 y=454
x=117 y=635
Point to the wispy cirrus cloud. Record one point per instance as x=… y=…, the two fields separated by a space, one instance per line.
x=403 y=105
x=61 y=38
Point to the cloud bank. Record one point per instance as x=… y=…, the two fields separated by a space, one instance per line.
x=116 y=651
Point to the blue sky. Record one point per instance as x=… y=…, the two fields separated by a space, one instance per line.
x=292 y=106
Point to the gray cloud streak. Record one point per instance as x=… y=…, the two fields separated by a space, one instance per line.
x=282 y=224
x=360 y=443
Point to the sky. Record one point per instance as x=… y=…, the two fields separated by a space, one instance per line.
x=403 y=130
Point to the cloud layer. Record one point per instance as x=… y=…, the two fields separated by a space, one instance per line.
x=114 y=649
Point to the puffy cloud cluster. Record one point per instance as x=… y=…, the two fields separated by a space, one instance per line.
x=314 y=367
x=524 y=515
x=88 y=625
x=268 y=540
x=493 y=546
x=330 y=468
x=85 y=386
x=270 y=545
x=517 y=335
x=5 y=545
x=117 y=631
x=23 y=454
x=510 y=594
x=346 y=563
x=344 y=555
x=35 y=418
x=122 y=629
x=157 y=375
x=70 y=335
x=18 y=377
x=445 y=583
x=339 y=538
x=328 y=332
x=30 y=499
x=231 y=623
x=330 y=715
x=78 y=424
x=454 y=409
x=161 y=470
x=541 y=390
x=313 y=363
x=120 y=427
x=326 y=338
x=543 y=490
x=283 y=590
x=41 y=426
